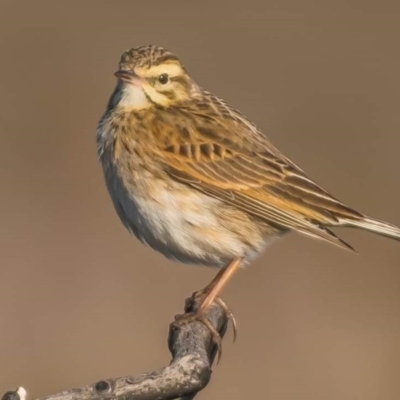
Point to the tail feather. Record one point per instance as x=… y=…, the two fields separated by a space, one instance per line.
x=375 y=226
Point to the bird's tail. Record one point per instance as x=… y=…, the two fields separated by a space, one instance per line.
x=375 y=226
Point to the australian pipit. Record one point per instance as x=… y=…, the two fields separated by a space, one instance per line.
x=194 y=179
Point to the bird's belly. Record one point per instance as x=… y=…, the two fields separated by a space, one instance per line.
x=188 y=226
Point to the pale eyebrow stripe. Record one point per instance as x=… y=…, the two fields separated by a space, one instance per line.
x=172 y=69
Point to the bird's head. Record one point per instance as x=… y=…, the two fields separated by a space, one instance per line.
x=151 y=75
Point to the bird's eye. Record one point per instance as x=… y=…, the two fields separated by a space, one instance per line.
x=163 y=79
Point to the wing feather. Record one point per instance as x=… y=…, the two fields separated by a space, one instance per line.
x=231 y=160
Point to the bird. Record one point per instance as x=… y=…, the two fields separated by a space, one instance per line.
x=196 y=180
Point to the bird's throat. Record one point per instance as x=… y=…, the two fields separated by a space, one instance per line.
x=133 y=97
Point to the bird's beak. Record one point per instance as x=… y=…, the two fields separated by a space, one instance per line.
x=128 y=76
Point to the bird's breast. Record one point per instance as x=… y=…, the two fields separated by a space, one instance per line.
x=180 y=222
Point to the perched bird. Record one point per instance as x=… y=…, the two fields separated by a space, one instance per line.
x=194 y=179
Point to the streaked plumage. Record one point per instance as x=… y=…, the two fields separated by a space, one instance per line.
x=187 y=152
x=195 y=179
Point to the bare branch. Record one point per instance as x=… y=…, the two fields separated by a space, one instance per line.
x=193 y=353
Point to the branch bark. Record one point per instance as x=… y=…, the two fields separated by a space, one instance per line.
x=193 y=353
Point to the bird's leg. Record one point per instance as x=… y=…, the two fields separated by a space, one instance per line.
x=204 y=298
x=210 y=293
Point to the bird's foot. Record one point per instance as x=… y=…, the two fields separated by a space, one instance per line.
x=195 y=311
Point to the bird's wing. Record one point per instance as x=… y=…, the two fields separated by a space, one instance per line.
x=226 y=157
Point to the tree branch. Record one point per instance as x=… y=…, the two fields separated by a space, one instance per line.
x=193 y=353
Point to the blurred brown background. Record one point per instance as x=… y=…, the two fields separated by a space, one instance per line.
x=80 y=300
